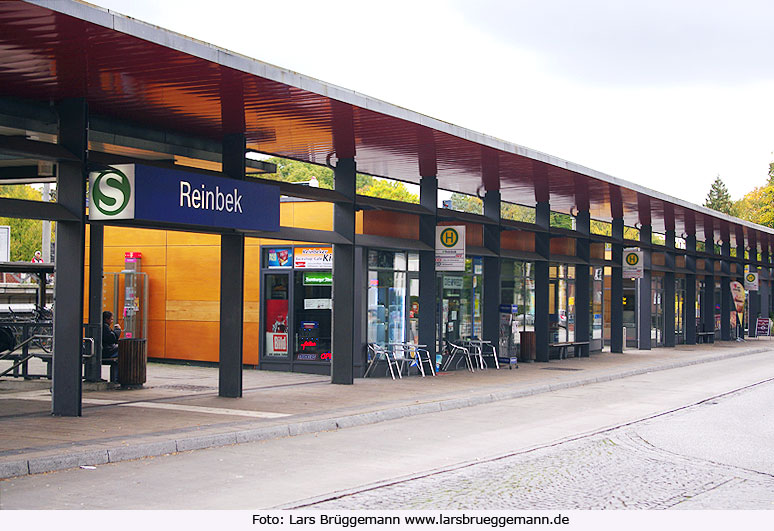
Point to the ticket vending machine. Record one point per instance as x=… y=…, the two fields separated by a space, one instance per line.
x=129 y=303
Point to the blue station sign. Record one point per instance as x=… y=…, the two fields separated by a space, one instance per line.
x=148 y=193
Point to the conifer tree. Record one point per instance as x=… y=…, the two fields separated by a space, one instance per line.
x=718 y=197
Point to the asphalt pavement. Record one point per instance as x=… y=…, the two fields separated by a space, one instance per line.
x=178 y=408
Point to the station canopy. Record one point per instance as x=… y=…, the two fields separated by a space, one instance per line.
x=135 y=72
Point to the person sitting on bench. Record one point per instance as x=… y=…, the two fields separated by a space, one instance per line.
x=110 y=335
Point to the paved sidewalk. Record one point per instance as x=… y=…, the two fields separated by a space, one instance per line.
x=179 y=410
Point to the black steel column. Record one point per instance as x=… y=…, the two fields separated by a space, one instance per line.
x=583 y=280
x=428 y=296
x=543 y=248
x=765 y=275
x=690 y=290
x=93 y=368
x=70 y=250
x=669 y=290
x=491 y=322
x=708 y=297
x=232 y=288
x=742 y=260
x=617 y=341
x=645 y=291
x=725 y=290
x=343 y=274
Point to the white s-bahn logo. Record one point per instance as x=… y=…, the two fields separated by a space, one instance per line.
x=111 y=192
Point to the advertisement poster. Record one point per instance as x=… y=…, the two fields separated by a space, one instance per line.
x=762 y=327
x=280 y=257
x=738 y=295
x=276 y=328
x=314 y=258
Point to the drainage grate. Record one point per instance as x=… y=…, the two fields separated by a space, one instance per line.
x=185 y=387
x=559 y=369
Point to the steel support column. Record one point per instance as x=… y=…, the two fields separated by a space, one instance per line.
x=491 y=321
x=543 y=248
x=93 y=368
x=428 y=296
x=645 y=291
x=725 y=291
x=583 y=281
x=690 y=290
x=742 y=257
x=708 y=297
x=232 y=274
x=617 y=340
x=669 y=290
x=70 y=250
x=344 y=321
x=765 y=275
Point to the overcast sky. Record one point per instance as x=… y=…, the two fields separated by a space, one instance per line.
x=667 y=94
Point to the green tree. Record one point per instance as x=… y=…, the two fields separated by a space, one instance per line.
x=388 y=189
x=25 y=233
x=295 y=171
x=467 y=203
x=718 y=197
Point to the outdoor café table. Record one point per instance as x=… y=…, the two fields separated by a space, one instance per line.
x=410 y=352
x=478 y=345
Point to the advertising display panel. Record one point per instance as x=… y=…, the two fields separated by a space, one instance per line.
x=313 y=258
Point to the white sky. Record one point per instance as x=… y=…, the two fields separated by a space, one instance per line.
x=667 y=94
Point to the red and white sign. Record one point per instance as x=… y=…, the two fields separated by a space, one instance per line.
x=276 y=344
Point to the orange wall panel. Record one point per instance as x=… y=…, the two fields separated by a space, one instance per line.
x=192 y=340
x=311 y=215
x=192 y=238
x=193 y=273
x=128 y=236
x=156 y=338
x=250 y=343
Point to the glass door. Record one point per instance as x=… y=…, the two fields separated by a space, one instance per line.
x=275 y=316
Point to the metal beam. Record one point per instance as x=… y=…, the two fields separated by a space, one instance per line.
x=428 y=289
x=27 y=209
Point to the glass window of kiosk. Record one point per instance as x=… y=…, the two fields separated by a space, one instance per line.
x=561 y=303
x=393 y=297
x=517 y=299
x=597 y=308
x=312 y=315
x=461 y=301
x=679 y=311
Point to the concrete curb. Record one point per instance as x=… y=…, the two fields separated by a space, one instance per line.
x=37 y=465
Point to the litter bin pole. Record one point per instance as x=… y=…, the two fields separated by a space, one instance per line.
x=132 y=362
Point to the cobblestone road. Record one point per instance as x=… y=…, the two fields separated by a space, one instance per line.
x=615 y=470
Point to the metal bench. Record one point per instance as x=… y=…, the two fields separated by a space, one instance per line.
x=563 y=346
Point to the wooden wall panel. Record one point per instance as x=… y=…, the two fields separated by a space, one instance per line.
x=193 y=273
x=250 y=343
x=192 y=340
x=192 y=238
x=156 y=338
x=394 y=224
x=190 y=310
x=128 y=236
x=517 y=240
x=565 y=246
x=310 y=215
